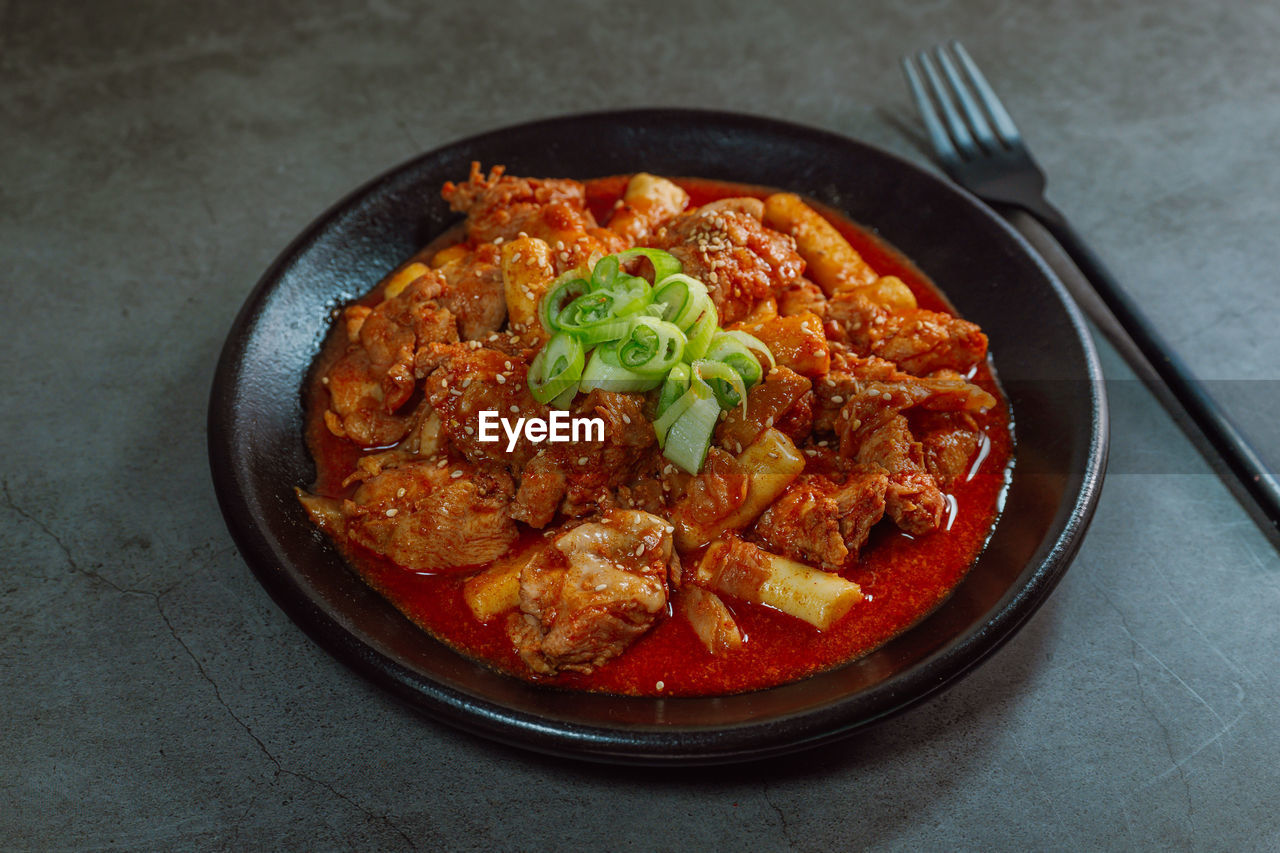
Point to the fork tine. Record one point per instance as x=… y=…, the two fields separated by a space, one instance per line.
x=933 y=124
x=999 y=115
x=955 y=123
x=972 y=111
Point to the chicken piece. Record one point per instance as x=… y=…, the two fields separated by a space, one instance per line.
x=710 y=619
x=579 y=477
x=871 y=395
x=802 y=297
x=602 y=586
x=500 y=207
x=717 y=493
x=374 y=378
x=424 y=516
x=724 y=245
x=474 y=292
x=950 y=441
x=767 y=404
x=797 y=342
x=858 y=393
x=468 y=380
x=647 y=202
x=913 y=499
x=543 y=484
x=423 y=440
x=817 y=521
x=918 y=340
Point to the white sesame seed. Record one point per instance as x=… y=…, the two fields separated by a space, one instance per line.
x=582 y=460
x=601 y=587
x=468 y=430
x=515 y=259
x=442 y=463
x=660 y=685
x=515 y=408
x=497 y=241
x=626 y=419
x=400 y=493
x=324 y=380
x=639 y=549
x=502 y=380
x=837 y=399
x=455 y=475
x=392 y=512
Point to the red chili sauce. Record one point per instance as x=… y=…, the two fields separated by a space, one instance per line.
x=903 y=579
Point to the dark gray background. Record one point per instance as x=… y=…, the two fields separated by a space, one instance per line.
x=154 y=158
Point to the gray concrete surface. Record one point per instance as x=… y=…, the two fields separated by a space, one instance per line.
x=154 y=159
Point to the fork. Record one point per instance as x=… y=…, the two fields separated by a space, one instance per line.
x=981 y=149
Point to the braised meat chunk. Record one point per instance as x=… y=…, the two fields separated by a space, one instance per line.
x=374 y=377
x=726 y=246
x=426 y=516
x=819 y=522
x=500 y=207
x=604 y=586
x=917 y=340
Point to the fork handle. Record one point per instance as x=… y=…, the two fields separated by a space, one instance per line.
x=1213 y=422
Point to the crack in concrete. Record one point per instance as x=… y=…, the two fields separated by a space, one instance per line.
x=157 y=597
x=280 y=769
x=1134 y=647
x=782 y=816
x=66 y=550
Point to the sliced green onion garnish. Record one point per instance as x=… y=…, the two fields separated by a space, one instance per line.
x=732 y=352
x=605 y=372
x=614 y=331
x=556 y=368
x=686 y=299
x=752 y=343
x=631 y=295
x=689 y=437
x=676 y=410
x=602 y=333
x=700 y=336
x=674 y=388
x=565 y=400
x=605 y=271
x=651 y=346
x=727 y=383
x=664 y=263
x=566 y=289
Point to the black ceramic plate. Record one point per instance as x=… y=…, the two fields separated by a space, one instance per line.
x=1040 y=347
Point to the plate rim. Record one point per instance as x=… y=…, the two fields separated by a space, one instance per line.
x=646 y=744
